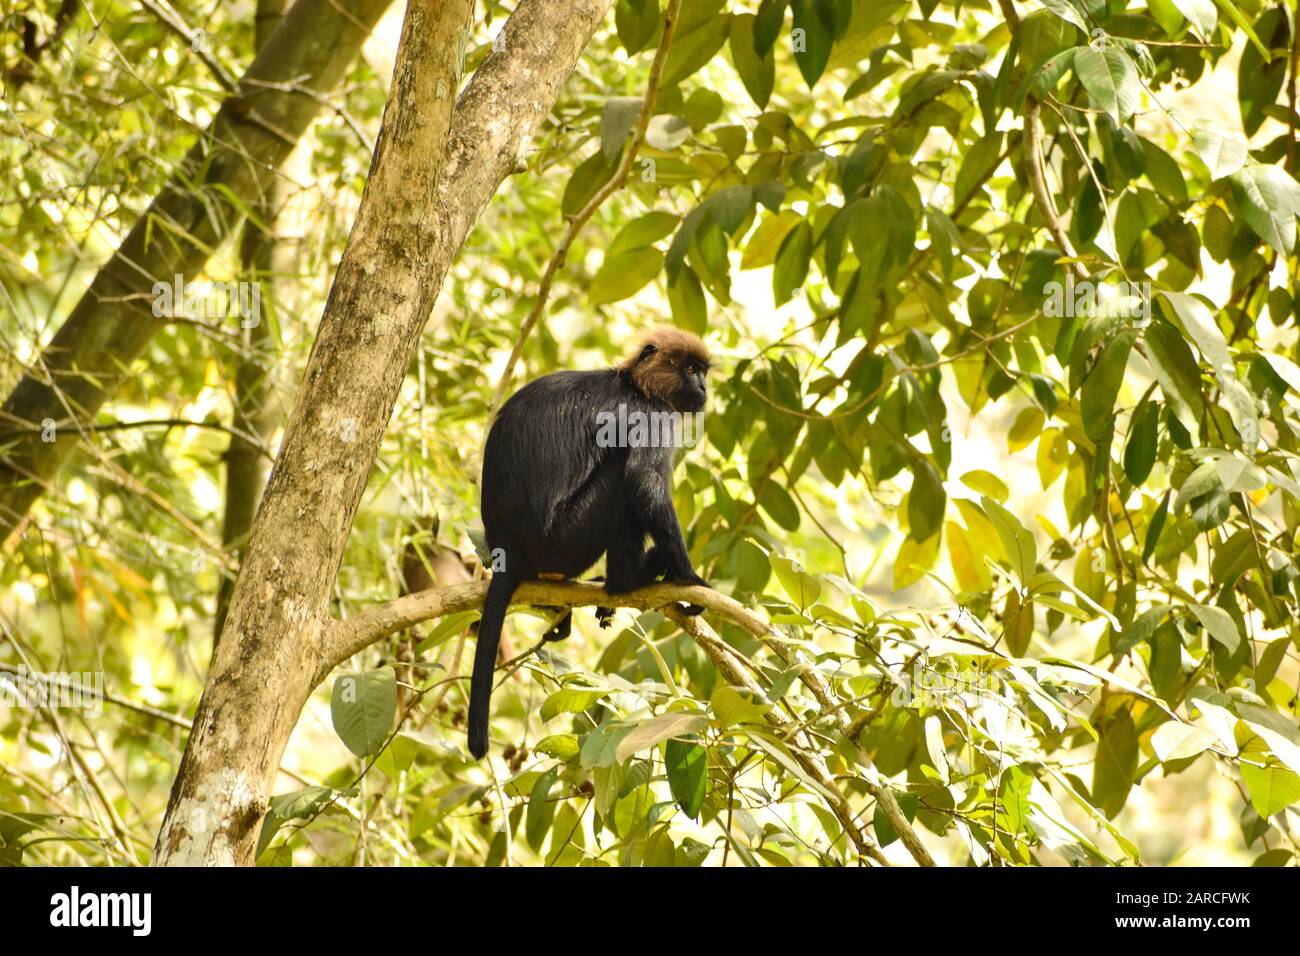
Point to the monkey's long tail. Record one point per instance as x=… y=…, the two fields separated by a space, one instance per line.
x=500 y=590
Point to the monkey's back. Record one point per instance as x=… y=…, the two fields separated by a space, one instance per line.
x=551 y=495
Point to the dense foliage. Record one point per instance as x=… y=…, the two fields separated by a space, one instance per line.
x=1018 y=478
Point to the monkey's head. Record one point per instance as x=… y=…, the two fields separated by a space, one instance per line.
x=671 y=367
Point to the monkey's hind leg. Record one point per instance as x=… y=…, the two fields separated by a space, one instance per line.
x=562 y=626
x=629 y=568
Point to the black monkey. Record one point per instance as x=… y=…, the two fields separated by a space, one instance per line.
x=563 y=485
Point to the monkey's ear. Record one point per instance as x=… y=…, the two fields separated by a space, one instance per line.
x=649 y=350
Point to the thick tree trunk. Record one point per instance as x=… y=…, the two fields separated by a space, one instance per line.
x=262 y=257
x=109 y=328
x=429 y=181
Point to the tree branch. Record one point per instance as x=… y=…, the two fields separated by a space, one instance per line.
x=731 y=667
x=1034 y=167
x=1032 y=148
x=173 y=21
x=344 y=638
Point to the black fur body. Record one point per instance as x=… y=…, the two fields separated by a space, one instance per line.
x=555 y=501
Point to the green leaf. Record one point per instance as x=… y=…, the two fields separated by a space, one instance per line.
x=571 y=700
x=792 y=262
x=686 y=300
x=1116 y=763
x=666 y=132
x=1140 y=451
x=979 y=162
x=298 y=805
x=1017 y=541
x=1111 y=80
x=1200 y=14
x=695 y=43
x=925 y=501
x=1164 y=173
x=362 y=708
x=776 y=501
x=986 y=483
x=1271 y=789
x=1203 y=480
x=644 y=231
x=636 y=23
x=914 y=558
x=1026 y=428
x=757 y=71
x=812 y=38
x=1278 y=730
x=1222 y=155
x=1178 y=741
x=600 y=747
x=1101 y=387
x=687 y=764
x=968 y=565
x=447 y=626
x=732 y=707
x=1260 y=74
x=656 y=730
x=730 y=207
x=1168 y=16
x=1237 y=17
x=541 y=811
x=617 y=118
x=803 y=588
x=762 y=246
x=1268 y=199
x=1218 y=623
x=767 y=25
x=1066 y=11
x=1177 y=372
x=592 y=173
x=1200 y=324
x=625 y=274
x=559 y=746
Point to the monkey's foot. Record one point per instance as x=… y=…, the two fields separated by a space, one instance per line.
x=690 y=610
x=605 y=616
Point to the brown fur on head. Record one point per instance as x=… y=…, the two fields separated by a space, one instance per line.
x=656 y=368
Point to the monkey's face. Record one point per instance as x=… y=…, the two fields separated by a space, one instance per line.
x=674 y=375
x=691 y=393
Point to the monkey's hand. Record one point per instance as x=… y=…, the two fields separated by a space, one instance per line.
x=605 y=616
x=690 y=610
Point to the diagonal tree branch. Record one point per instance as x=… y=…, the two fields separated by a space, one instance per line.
x=1035 y=164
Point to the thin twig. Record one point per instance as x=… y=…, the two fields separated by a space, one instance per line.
x=580 y=219
x=165 y=12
